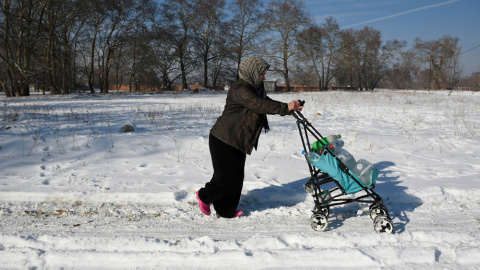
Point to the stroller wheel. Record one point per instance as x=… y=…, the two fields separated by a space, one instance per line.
x=308 y=187
x=383 y=224
x=378 y=209
x=319 y=222
x=322 y=209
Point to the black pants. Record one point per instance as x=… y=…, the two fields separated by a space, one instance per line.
x=225 y=187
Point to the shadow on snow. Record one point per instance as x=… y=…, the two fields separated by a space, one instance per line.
x=395 y=197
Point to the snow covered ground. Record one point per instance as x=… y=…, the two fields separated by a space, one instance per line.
x=77 y=193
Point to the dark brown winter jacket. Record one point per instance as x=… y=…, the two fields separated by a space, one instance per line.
x=244 y=116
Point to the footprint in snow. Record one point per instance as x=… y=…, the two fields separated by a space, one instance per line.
x=180 y=195
x=101 y=187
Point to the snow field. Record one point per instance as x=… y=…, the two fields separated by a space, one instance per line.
x=77 y=193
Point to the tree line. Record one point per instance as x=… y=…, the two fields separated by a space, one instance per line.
x=62 y=46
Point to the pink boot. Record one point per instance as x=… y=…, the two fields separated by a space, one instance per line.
x=238 y=214
x=205 y=208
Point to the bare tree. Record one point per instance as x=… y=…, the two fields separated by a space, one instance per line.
x=403 y=71
x=222 y=68
x=364 y=58
x=175 y=27
x=247 y=24
x=73 y=18
x=138 y=35
x=109 y=37
x=379 y=65
x=347 y=62
x=54 y=67
x=369 y=43
x=320 y=46
x=287 y=19
x=442 y=56
x=22 y=22
x=210 y=27
x=165 y=60
x=97 y=8
x=471 y=82
x=52 y=10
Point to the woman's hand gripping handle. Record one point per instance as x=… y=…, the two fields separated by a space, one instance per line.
x=296 y=105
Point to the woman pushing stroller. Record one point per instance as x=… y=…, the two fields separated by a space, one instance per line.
x=235 y=134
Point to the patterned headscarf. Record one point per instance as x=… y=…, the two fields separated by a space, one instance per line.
x=250 y=70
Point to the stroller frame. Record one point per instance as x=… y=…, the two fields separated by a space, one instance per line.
x=326 y=198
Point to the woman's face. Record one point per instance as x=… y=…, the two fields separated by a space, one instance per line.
x=262 y=76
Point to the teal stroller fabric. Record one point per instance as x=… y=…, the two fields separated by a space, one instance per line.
x=329 y=164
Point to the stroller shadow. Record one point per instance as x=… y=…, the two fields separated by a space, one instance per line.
x=275 y=196
x=394 y=195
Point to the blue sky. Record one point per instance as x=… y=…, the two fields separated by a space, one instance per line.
x=408 y=19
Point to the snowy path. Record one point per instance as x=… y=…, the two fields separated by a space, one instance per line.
x=177 y=235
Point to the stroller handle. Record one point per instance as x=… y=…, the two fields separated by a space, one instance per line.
x=297 y=114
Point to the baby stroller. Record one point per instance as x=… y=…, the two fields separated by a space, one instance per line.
x=327 y=169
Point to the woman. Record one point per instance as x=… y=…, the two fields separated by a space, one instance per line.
x=235 y=134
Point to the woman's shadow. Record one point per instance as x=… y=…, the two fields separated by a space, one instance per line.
x=275 y=196
x=394 y=195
